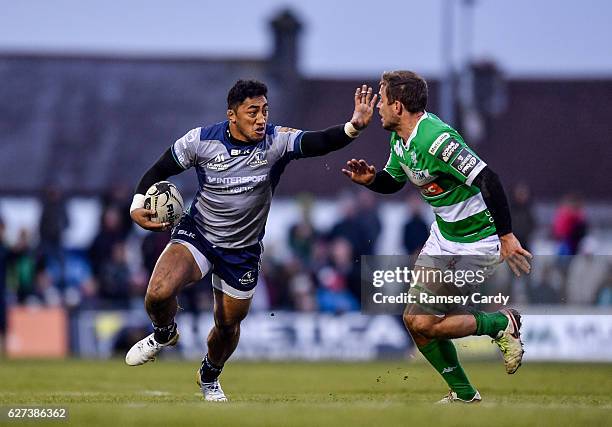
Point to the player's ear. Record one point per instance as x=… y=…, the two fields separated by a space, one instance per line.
x=398 y=107
x=231 y=115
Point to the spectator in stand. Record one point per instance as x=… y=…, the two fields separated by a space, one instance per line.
x=109 y=234
x=302 y=234
x=302 y=290
x=416 y=229
x=115 y=279
x=334 y=280
x=21 y=267
x=119 y=196
x=569 y=224
x=53 y=223
x=523 y=220
x=349 y=227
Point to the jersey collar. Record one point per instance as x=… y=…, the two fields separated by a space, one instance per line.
x=229 y=138
x=415 y=130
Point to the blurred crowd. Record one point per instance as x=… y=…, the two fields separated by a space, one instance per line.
x=320 y=272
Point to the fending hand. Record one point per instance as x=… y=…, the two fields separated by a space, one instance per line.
x=360 y=172
x=364 y=107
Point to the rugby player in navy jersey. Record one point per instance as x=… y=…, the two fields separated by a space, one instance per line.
x=238 y=163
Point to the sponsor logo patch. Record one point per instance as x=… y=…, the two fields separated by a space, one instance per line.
x=217 y=163
x=248 y=278
x=235 y=180
x=413 y=158
x=437 y=143
x=191 y=135
x=449 y=149
x=465 y=162
x=432 y=189
x=418 y=177
x=258 y=159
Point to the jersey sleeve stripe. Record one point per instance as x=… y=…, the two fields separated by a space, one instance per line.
x=296 y=149
x=174 y=156
x=472 y=175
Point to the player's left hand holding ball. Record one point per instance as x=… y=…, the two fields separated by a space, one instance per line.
x=144 y=218
x=162 y=207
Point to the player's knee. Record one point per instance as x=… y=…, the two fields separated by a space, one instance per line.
x=418 y=324
x=158 y=291
x=410 y=320
x=227 y=327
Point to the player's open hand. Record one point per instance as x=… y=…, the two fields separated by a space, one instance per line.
x=513 y=253
x=360 y=172
x=143 y=217
x=365 y=102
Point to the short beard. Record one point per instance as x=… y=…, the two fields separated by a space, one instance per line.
x=390 y=126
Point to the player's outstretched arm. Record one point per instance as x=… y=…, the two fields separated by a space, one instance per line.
x=495 y=198
x=318 y=143
x=165 y=167
x=361 y=173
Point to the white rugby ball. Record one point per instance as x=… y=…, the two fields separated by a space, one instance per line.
x=164 y=198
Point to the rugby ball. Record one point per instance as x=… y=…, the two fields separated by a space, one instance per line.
x=164 y=198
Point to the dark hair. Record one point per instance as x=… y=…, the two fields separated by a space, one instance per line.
x=244 y=89
x=406 y=87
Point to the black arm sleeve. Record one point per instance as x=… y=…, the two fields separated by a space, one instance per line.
x=320 y=142
x=384 y=183
x=495 y=199
x=164 y=167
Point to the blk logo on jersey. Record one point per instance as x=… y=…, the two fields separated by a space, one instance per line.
x=186 y=233
x=235 y=152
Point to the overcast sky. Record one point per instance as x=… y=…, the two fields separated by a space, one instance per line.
x=340 y=38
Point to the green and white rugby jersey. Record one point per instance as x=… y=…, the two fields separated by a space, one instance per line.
x=437 y=160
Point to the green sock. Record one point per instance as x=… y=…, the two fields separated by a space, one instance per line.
x=443 y=357
x=490 y=323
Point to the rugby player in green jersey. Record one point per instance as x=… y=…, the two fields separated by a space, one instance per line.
x=472 y=218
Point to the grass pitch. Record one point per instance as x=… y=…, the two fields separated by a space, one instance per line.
x=101 y=393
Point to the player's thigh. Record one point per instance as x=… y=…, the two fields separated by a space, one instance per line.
x=229 y=311
x=174 y=269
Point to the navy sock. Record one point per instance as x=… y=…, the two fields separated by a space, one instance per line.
x=164 y=334
x=208 y=371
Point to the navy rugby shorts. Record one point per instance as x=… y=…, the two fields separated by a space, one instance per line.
x=235 y=271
